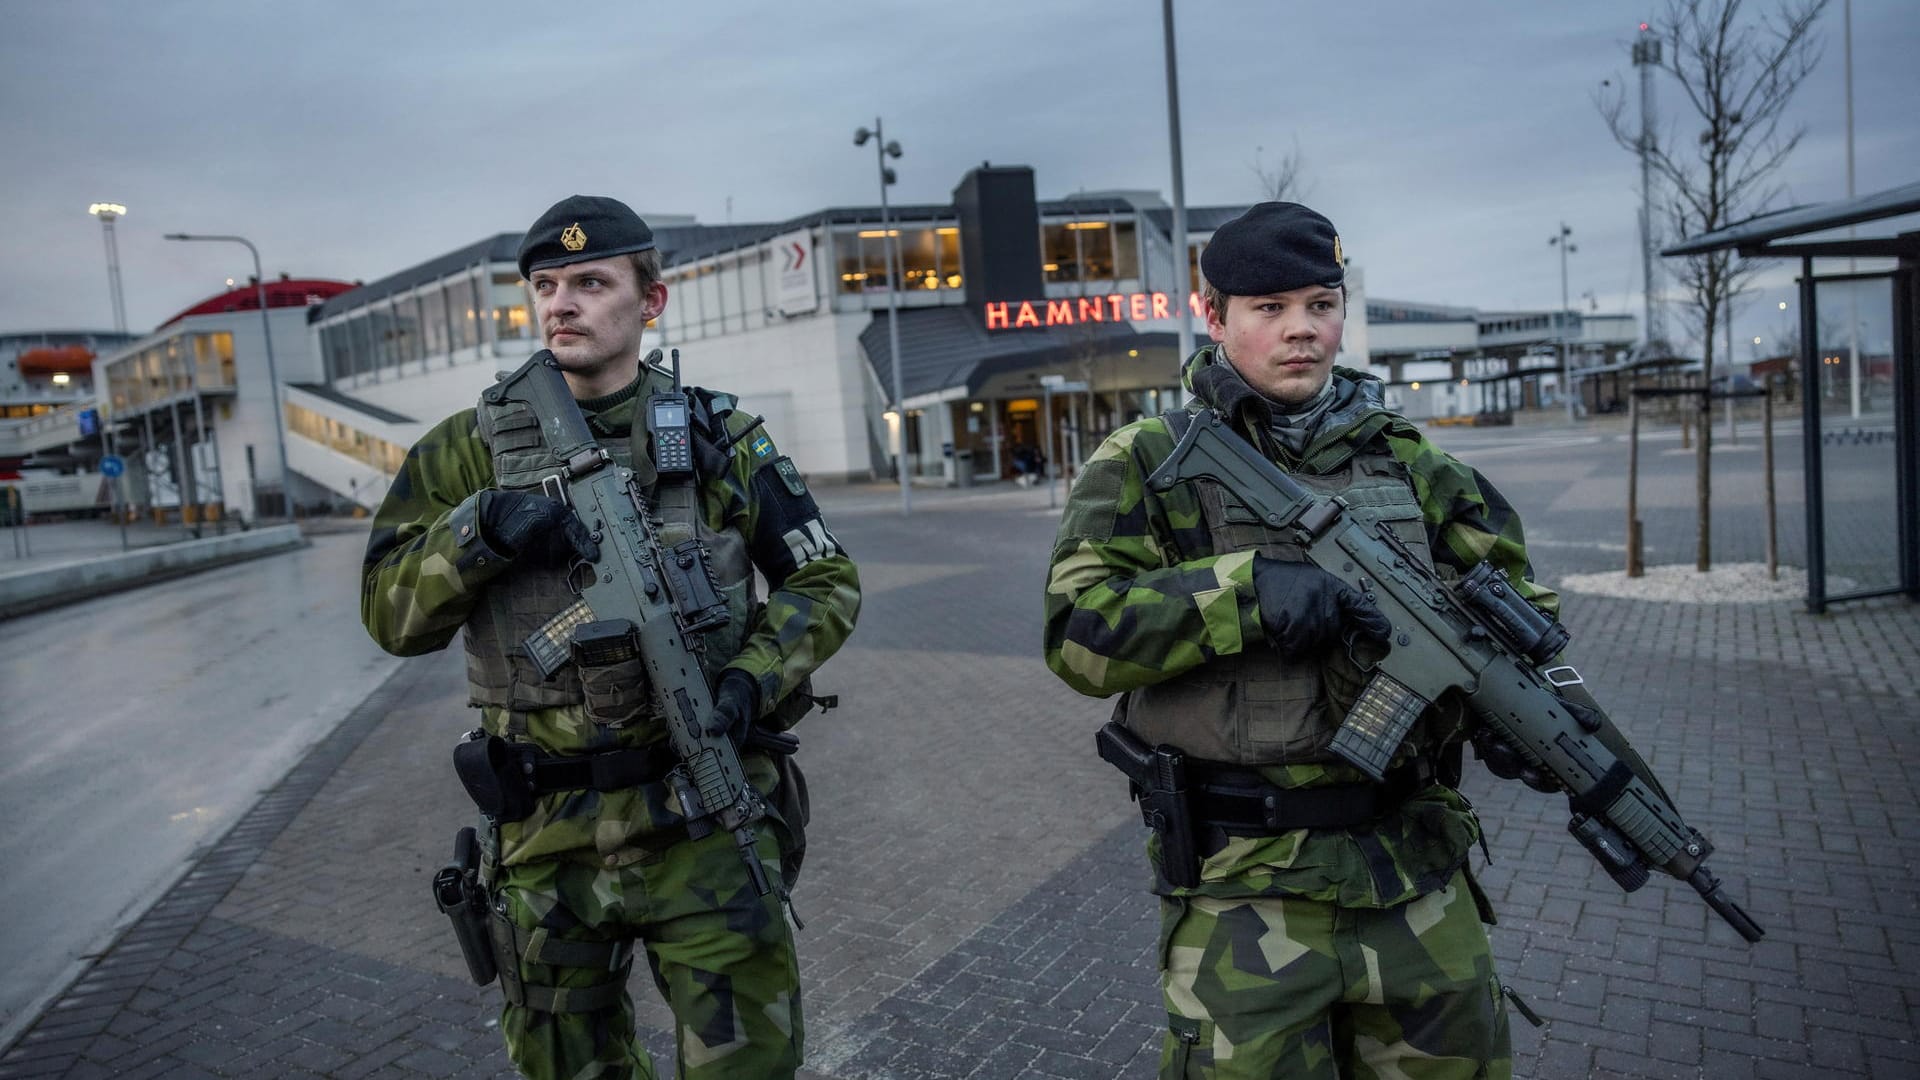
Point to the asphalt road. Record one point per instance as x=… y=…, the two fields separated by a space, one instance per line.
x=140 y=726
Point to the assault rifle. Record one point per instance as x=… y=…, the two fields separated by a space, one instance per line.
x=640 y=596
x=1481 y=640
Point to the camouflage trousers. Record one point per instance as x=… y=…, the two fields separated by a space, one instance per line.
x=721 y=955
x=1281 y=986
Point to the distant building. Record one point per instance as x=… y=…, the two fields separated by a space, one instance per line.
x=1440 y=360
x=190 y=407
x=996 y=290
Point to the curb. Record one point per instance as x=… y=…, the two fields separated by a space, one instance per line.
x=25 y=591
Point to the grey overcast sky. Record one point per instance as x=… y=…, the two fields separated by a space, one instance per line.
x=353 y=139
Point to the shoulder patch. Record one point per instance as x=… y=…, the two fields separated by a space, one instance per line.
x=790 y=475
x=762 y=446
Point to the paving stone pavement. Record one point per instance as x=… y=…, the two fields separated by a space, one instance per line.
x=975 y=897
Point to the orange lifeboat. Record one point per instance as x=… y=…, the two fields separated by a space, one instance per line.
x=53 y=359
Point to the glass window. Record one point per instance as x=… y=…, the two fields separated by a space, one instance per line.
x=1126 y=250
x=433 y=320
x=463 y=312
x=713 y=306
x=853 y=274
x=510 y=318
x=919 y=258
x=362 y=330
x=1077 y=251
x=950 y=272
x=407 y=340
x=753 y=282
x=381 y=324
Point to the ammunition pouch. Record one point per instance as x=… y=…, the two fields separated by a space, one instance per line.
x=505 y=778
x=513 y=945
x=1228 y=801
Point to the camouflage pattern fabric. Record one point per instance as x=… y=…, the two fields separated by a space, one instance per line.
x=591 y=865
x=1313 y=953
x=1279 y=986
x=721 y=955
x=417 y=593
x=1136 y=595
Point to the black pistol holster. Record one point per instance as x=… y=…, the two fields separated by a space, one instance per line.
x=459 y=896
x=1158 y=777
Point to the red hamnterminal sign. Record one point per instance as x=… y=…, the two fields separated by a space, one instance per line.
x=1114 y=307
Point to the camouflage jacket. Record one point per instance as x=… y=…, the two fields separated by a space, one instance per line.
x=417 y=593
x=1121 y=614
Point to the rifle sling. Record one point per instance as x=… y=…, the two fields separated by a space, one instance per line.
x=1596 y=799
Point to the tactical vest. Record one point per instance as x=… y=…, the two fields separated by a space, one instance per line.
x=1256 y=707
x=515 y=604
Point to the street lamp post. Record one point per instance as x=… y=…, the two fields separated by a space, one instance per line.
x=273 y=374
x=1565 y=245
x=108 y=213
x=882 y=151
x=1182 y=271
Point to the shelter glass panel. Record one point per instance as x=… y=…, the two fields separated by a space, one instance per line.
x=1858 y=457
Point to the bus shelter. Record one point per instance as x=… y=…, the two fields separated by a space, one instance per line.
x=1859 y=383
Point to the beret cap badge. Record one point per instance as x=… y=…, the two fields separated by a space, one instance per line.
x=579 y=228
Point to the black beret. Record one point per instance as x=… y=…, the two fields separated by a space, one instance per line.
x=583 y=227
x=1274 y=247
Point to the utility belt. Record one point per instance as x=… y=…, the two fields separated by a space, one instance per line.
x=505 y=778
x=1195 y=806
x=1237 y=801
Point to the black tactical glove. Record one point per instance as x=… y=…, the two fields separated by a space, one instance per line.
x=521 y=524
x=1507 y=763
x=1306 y=610
x=736 y=701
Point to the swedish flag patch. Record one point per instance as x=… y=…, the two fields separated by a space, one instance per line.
x=762 y=446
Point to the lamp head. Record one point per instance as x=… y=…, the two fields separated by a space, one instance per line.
x=860 y=136
x=893 y=148
x=177 y=236
x=107 y=210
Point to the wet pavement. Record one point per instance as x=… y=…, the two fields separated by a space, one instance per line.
x=975 y=893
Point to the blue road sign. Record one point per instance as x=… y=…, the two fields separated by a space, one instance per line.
x=89 y=423
x=112 y=466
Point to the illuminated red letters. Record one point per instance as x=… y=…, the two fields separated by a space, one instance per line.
x=1115 y=307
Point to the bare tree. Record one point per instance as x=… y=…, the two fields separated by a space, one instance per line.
x=1738 y=75
x=1286 y=180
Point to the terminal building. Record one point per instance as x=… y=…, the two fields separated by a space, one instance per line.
x=994 y=292
x=1023 y=325
x=189 y=407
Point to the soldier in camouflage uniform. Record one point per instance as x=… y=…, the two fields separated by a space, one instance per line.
x=598 y=857
x=1335 y=929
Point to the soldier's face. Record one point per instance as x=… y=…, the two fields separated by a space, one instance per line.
x=592 y=314
x=1283 y=344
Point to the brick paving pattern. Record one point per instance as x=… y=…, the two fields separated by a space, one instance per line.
x=974 y=895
